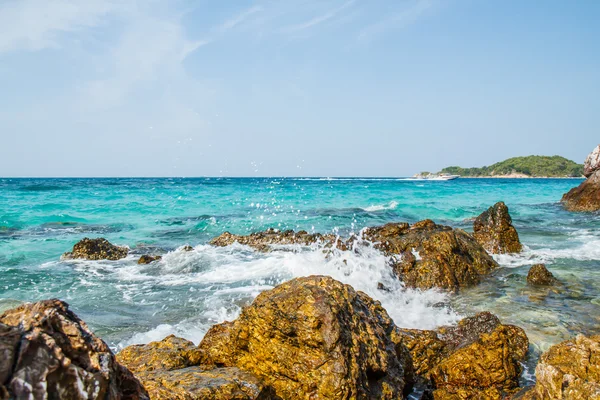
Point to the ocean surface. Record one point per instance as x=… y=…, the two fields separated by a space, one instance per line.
x=187 y=292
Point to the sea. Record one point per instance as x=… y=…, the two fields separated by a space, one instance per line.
x=188 y=291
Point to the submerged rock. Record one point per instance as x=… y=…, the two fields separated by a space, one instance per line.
x=264 y=241
x=586 y=196
x=539 y=275
x=170 y=369
x=494 y=230
x=477 y=358
x=46 y=351
x=96 y=249
x=569 y=370
x=146 y=259
x=426 y=255
x=314 y=337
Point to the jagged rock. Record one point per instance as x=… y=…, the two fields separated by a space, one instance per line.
x=264 y=241
x=592 y=162
x=146 y=259
x=569 y=370
x=494 y=230
x=48 y=352
x=96 y=249
x=314 y=337
x=168 y=354
x=187 y=247
x=426 y=255
x=477 y=358
x=539 y=275
x=585 y=197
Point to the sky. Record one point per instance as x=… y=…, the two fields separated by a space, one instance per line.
x=293 y=87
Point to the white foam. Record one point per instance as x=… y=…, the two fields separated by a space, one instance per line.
x=381 y=207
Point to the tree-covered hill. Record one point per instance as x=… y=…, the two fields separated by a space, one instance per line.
x=534 y=166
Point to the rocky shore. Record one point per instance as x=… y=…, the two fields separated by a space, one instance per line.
x=586 y=197
x=311 y=337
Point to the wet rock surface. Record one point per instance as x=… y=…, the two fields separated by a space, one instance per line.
x=96 y=249
x=48 y=352
x=314 y=337
x=493 y=229
x=539 y=275
x=585 y=197
x=569 y=370
x=264 y=241
x=426 y=255
x=147 y=259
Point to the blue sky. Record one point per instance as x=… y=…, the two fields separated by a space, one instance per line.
x=293 y=87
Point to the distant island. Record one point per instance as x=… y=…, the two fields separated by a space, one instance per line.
x=523 y=167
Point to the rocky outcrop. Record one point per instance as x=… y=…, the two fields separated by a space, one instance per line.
x=494 y=230
x=569 y=370
x=96 y=249
x=170 y=369
x=586 y=197
x=147 y=259
x=265 y=241
x=477 y=358
x=592 y=162
x=46 y=351
x=314 y=337
x=426 y=255
x=539 y=275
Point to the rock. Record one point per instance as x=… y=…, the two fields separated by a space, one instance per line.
x=539 y=275
x=48 y=352
x=477 y=358
x=146 y=259
x=170 y=369
x=592 y=162
x=494 y=230
x=264 y=241
x=96 y=249
x=169 y=354
x=570 y=370
x=585 y=197
x=426 y=255
x=187 y=247
x=314 y=337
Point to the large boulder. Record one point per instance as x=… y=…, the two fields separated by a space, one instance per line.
x=314 y=337
x=592 y=162
x=96 y=249
x=46 y=351
x=170 y=370
x=585 y=197
x=477 y=358
x=539 y=275
x=426 y=255
x=569 y=370
x=494 y=230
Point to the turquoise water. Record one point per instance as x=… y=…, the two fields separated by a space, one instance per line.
x=187 y=292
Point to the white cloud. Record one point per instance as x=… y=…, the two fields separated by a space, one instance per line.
x=396 y=20
x=319 y=19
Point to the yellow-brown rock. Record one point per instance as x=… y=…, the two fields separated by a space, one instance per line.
x=169 y=354
x=48 y=352
x=570 y=370
x=539 y=275
x=264 y=241
x=426 y=255
x=585 y=197
x=96 y=249
x=314 y=337
x=493 y=229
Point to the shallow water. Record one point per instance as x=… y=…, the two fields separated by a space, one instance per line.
x=187 y=292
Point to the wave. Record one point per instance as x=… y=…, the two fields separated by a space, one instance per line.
x=388 y=206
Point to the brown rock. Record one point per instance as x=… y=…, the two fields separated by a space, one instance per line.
x=585 y=197
x=264 y=241
x=314 y=337
x=146 y=259
x=96 y=249
x=539 y=275
x=570 y=370
x=57 y=356
x=592 y=162
x=426 y=255
x=494 y=230
x=169 y=354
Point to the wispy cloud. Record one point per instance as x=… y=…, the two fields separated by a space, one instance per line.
x=240 y=18
x=396 y=20
x=319 y=19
